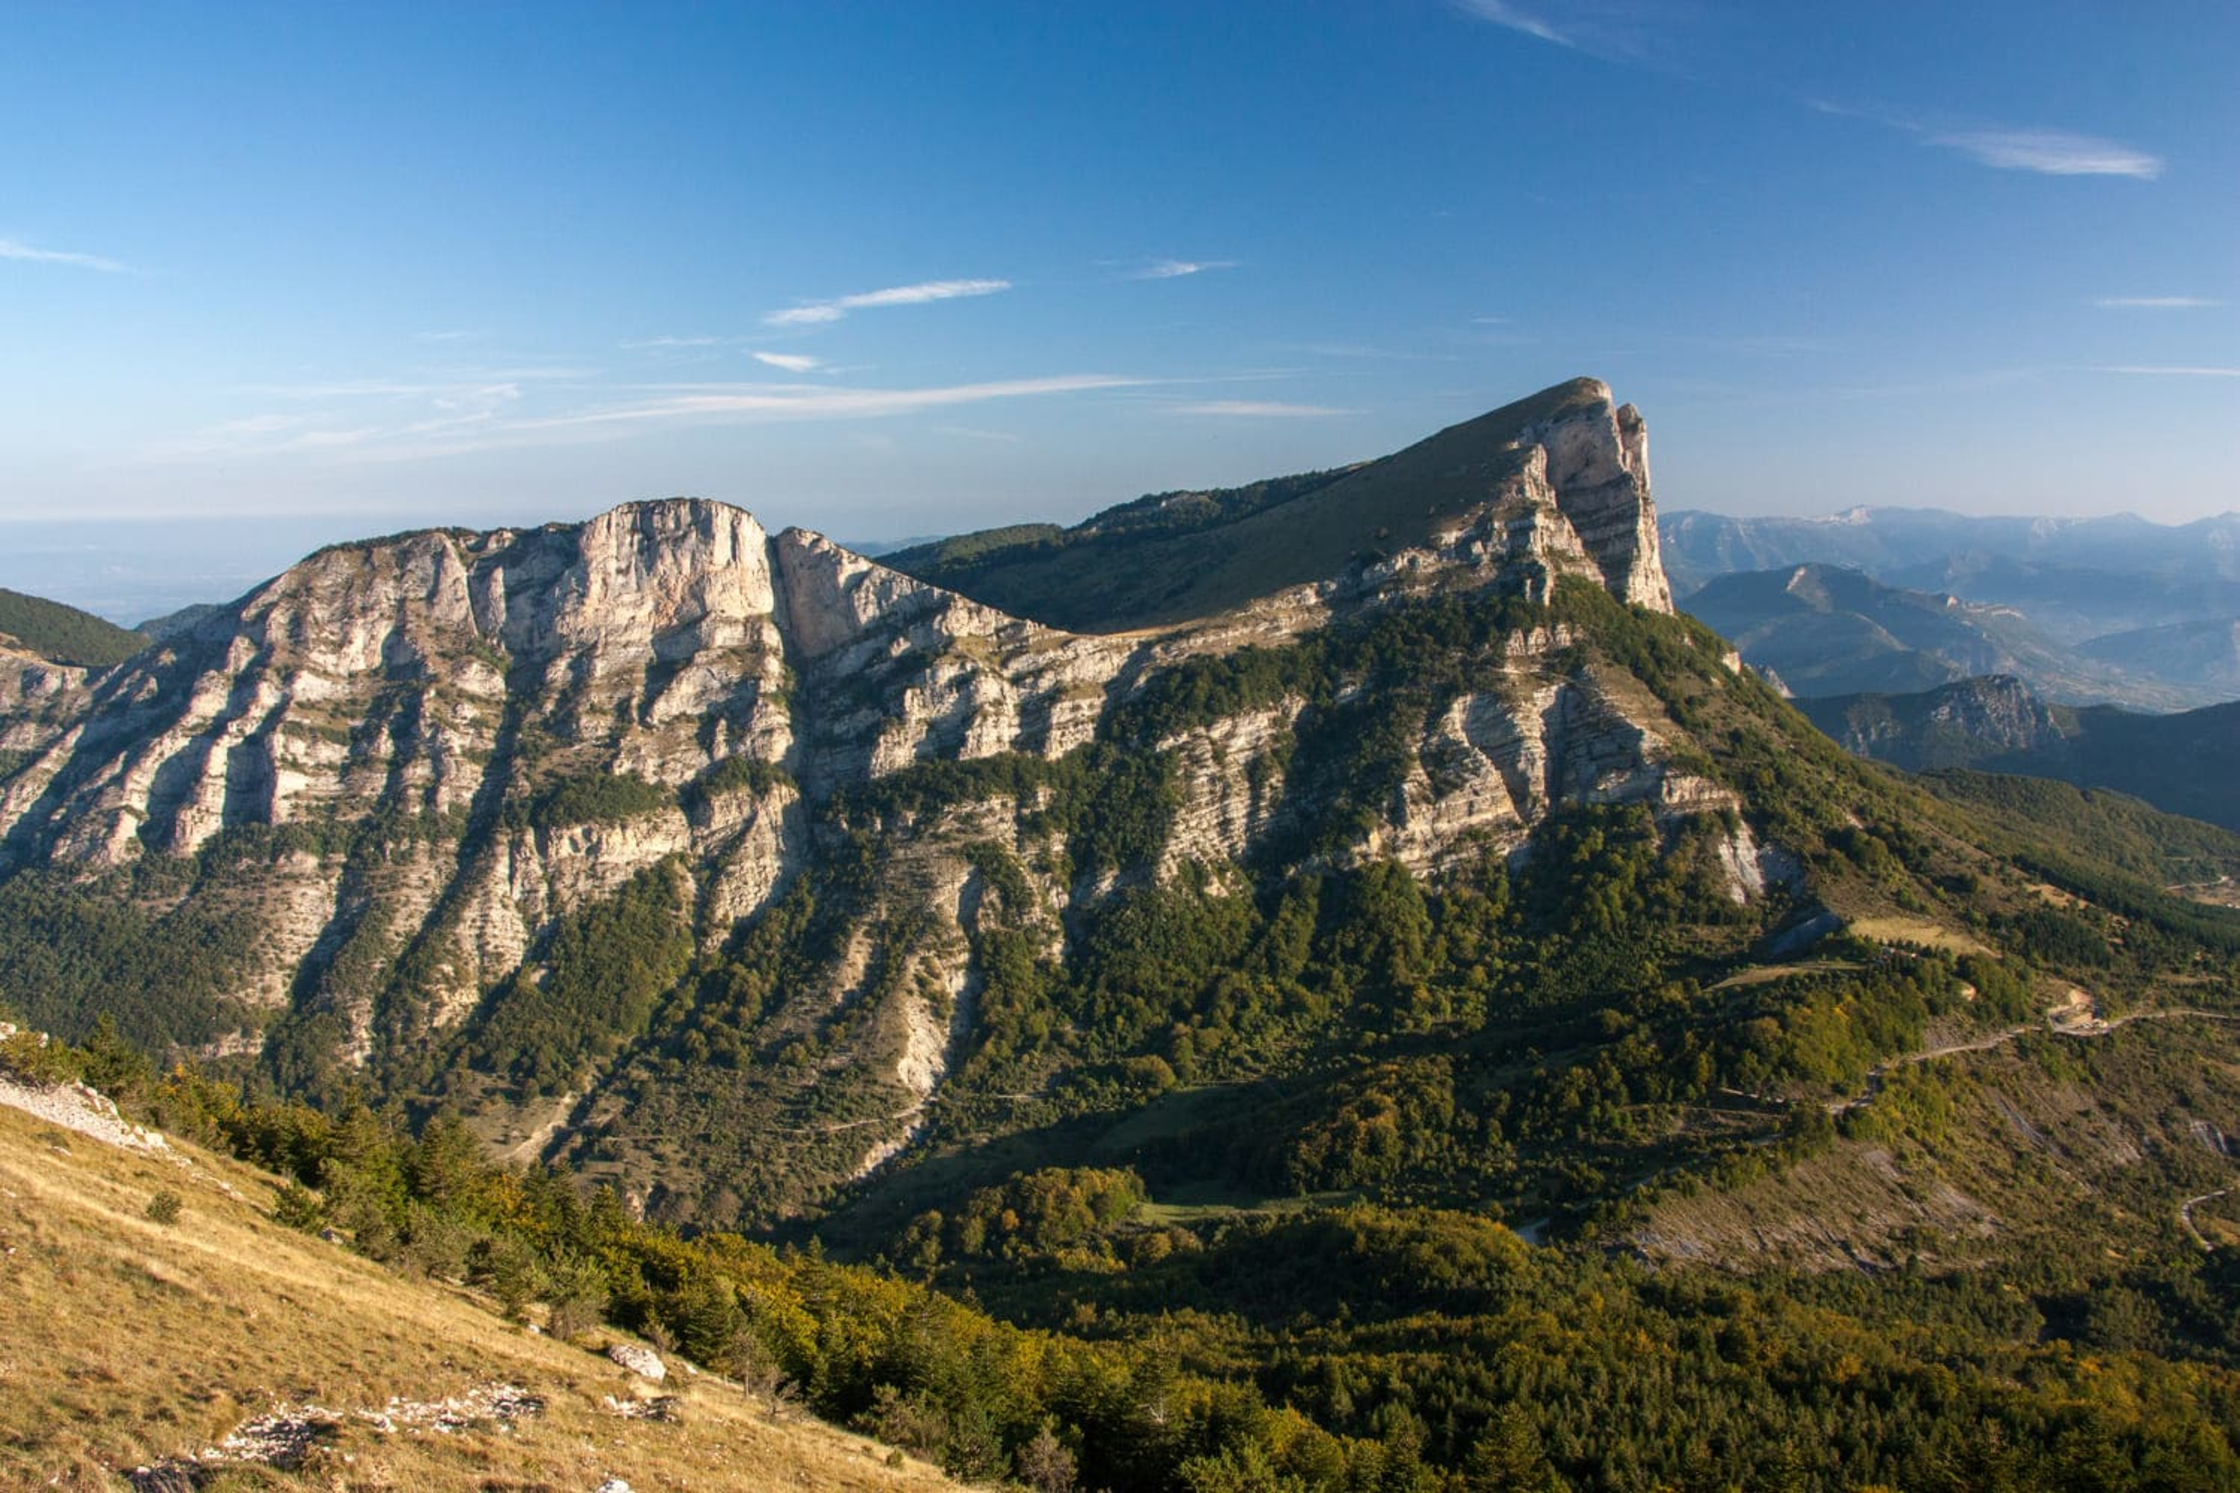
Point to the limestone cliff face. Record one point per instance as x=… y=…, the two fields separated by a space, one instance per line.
x=1597 y=464
x=410 y=760
x=1568 y=493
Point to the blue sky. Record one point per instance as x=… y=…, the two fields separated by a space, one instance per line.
x=276 y=276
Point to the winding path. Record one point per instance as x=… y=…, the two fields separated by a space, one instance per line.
x=2092 y=1026
x=2185 y=1215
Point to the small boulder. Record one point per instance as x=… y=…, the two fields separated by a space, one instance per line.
x=639 y=1360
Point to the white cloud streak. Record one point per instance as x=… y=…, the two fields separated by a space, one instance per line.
x=2154 y=302
x=1175 y=269
x=644 y=344
x=1261 y=409
x=790 y=362
x=439 y=387
x=799 y=402
x=1501 y=13
x=2174 y=372
x=1650 y=34
x=975 y=433
x=817 y=313
x=424 y=421
x=18 y=250
x=2051 y=153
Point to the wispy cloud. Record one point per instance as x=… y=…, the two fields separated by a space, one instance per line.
x=812 y=402
x=435 y=386
x=1515 y=18
x=18 y=250
x=2051 y=153
x=814 y=313
x=975 y=433
x=2154 y=302
x=336 y=416
x=2164 y=371
x=1636 y=33
x=1261 y=409
x=2045 y=152
x=385 y=421
x=790 y=362
x=1175 y=269
x=644 y=344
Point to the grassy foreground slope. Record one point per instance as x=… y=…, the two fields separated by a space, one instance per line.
x=131 y=1342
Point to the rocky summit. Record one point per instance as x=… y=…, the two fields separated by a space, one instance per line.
x=405 y=764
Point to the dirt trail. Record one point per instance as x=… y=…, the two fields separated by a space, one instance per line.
x=2185 y=1215
x=2088 y=1025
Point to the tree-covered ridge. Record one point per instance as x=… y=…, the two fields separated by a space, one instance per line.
x=63 y=633
x=2176 y=762
x=959 y=560
x=71 y=953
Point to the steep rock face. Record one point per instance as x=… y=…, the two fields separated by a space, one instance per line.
x=411 y=762
x=1597 y=464
x=901 y=671
x=1230 y=775
x=36 y=696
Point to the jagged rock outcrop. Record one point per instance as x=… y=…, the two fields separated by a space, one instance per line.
x=410 y=762
x=1597 y=465
x=1559 y=480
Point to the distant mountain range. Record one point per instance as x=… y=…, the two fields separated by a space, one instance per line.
x=2087 y=611
x=2179 y=763
x=1827 y=630
x=1895 y=543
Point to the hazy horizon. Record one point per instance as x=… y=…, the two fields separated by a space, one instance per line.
x=156 y=567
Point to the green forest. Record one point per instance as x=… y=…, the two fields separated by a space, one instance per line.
x=65 y=634
x=1347 y=1348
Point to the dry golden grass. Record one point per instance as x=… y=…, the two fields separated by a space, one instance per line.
x=1899 y=928
x=1766 y=974
x=124 y=1342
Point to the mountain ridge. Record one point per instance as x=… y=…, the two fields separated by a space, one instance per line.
x=59 y=634
x=1833 y=630
x=1702 y=544
x=2179 y=763
x=398 y=777
x=1592 y=470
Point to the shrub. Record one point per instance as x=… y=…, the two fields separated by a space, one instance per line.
x=298 y=1207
